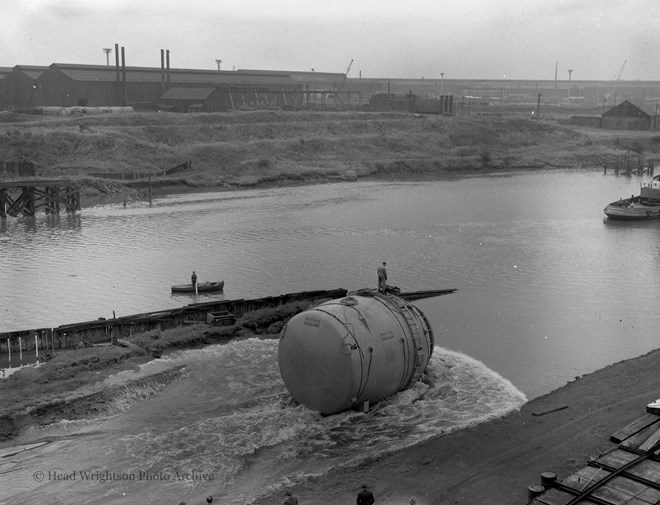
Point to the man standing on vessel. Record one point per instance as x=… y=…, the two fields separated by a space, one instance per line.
x=193 y=279
x=382 y=277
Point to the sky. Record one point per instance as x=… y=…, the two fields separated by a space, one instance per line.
x=431 y=39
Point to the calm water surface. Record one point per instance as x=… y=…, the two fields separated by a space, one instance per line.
x=547 y=290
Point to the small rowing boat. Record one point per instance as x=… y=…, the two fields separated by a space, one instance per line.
x=202 y=287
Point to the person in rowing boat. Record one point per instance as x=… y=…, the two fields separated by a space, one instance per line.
x=193 y=279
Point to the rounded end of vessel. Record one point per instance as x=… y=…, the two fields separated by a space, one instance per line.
x=316 y=362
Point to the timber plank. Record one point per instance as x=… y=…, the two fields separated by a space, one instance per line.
x=650 y=495
x=639 y=438
x=623 y=490
x=634 y=427
x=651 y=441
x=649 y=470
x=555 y=496
x=585 y=478
x=617 y=458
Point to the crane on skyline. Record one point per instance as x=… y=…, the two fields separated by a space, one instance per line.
x=618 y=77
x=348 y=69
x=339 y=87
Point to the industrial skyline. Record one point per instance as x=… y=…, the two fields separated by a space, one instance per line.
x=506 y=39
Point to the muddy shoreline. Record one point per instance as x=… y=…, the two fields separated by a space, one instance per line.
x=495 y=462
x=129 y=193
x=87 y=405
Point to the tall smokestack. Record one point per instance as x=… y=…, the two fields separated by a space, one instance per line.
x=162 y=70
x=167 y=57
x=123 y=77
x=118 y=85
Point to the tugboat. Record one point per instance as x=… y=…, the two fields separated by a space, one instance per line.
x=638 y=208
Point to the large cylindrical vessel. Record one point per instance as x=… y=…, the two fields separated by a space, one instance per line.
x=360 y=348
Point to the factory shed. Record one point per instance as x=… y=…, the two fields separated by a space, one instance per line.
x=69 y=85
x=626 y=116
x=18 y=86
x=193 y=100
x=4 y=72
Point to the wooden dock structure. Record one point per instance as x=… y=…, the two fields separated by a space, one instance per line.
x=106 y=331
x=31 y=196
x=631 y=164
x=627 y=474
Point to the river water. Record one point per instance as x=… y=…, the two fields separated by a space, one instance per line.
x=548 y=290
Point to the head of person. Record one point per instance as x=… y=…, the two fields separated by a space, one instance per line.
x=209 y=499
x=384 y=263
x=287 y=492
x=364 y=486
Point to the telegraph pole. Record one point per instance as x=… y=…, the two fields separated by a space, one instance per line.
x=107 y=51
x=218 y=62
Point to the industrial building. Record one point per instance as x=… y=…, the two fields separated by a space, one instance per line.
x=18 y=84
x=67 y=85
x=626 y=116
x=623 y=116
x=71 y=85
x=64 y=85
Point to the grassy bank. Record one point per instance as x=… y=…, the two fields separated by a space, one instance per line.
x=243 y=149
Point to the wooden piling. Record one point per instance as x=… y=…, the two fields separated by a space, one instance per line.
x=29 y=197
x=3 y=203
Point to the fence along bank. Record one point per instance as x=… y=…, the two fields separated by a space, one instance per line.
x=103 y=330
x=220 y=312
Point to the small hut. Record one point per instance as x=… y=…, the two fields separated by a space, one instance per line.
x=626 y=116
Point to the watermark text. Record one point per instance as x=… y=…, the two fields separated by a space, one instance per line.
x=110 y=476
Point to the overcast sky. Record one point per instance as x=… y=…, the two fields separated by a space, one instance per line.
x=513 y=39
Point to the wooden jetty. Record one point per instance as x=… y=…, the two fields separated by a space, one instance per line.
x=630 y=164
x=219 y=312
x=628 y=474
x=29 y=197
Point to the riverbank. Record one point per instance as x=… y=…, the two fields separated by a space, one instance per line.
x=241 y=150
